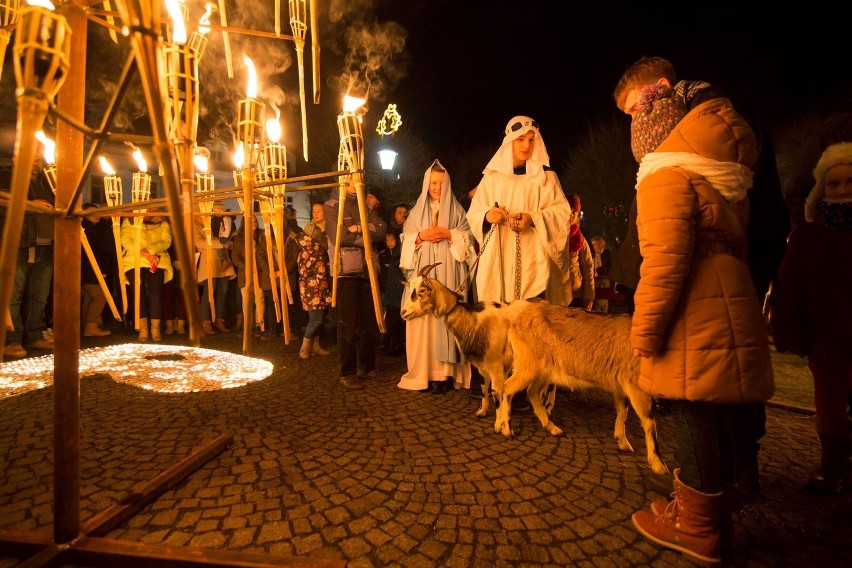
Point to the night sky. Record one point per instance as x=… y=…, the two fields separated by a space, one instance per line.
x=474 y=64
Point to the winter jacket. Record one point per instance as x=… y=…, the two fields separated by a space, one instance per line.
x=221 y=269
x=697 y=312
x=156 y=237
x=261 y=259
x=812 y=307
x=352 y=262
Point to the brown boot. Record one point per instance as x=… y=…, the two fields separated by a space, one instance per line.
x=219 y=324
x=351 y=382
x=207 y=328
x=690 y=524
x=94 y=330
x=317 y=348
x=305 y=351
x=170 y=327
x=143 y=329
x=731 y=504
x=155 y=330
x=832 y=476
x=238 y=325
x=180 y=326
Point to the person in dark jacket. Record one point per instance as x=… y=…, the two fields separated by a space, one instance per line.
x=392 y=298
x=99 y=234
x=806 y=318
x=34 y=272
x=357 y=328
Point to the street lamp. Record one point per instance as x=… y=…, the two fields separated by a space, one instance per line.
x=387 y=158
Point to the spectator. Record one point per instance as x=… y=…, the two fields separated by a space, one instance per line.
x=221 y=273
x=172 y=300
x=697 y=325
x=400 y=214
x=154 y=239
x=264 y=303
x=99 y=234
x=392 y=298
x=602 y=262
x=579 y=291
x=808 y=321
x=357 y=329
x=34 y=272
x=314 y=291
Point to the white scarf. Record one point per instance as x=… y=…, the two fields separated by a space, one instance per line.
x=731 y=179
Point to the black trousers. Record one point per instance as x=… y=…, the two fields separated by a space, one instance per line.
x=357 y=329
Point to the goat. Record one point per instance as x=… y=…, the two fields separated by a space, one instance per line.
x=543 y=345
x=575 y=349
x=480 y=330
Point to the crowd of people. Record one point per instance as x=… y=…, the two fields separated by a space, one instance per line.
x=689 y=269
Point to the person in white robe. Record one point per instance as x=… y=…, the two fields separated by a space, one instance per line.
x=436 y=231
x=521 y=196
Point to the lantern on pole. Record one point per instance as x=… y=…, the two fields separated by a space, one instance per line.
x=352 y=149
x=206 y=184
x=299 y=25
x=8 y=19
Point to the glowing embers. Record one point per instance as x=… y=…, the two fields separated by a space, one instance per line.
x=161 y=368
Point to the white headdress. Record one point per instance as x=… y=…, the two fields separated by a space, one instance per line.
x=502 y=159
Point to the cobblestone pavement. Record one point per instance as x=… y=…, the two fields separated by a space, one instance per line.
x=386 y=477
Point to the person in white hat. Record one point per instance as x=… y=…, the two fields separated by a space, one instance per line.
x=811 y=313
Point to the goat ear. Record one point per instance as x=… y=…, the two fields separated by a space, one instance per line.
x=424 y=272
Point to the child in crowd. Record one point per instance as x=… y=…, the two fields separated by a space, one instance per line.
x=809 y=320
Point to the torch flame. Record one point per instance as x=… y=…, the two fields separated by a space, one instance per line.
x=251 y=87
x=351 y=104
x=42 y=4
x=140 y=160
x=273 y=126
x=49 y=147
x=201 y=163
x=178 y=25
x=239 y=157
x=204 y=22
x=105 y=166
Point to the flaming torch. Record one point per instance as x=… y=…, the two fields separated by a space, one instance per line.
x=250 y=118
x=206 y=184
x=140 y=192
x=238 y=158
x=198 y=39
x=8 y=18
x=41 y=57
x=352 y=149
x=298 y=23
x=114 y=194
x=49 y=158
x=275 y=167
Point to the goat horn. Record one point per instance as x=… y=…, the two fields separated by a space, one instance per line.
x=427 y=269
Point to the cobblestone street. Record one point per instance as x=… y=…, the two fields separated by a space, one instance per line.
x=386 y=477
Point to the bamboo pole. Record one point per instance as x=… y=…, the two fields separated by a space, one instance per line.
x=94 y=262
x=267 y=233
x=315 y=50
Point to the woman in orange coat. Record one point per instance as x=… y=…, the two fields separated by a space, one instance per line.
x=697 y=325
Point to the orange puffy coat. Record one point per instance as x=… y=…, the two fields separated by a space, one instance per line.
x=697 y=312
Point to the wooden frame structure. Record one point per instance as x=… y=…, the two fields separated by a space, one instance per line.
x=73 y=541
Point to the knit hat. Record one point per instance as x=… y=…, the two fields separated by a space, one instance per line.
x=834 y=155
x=574 y=202
x=658 y=114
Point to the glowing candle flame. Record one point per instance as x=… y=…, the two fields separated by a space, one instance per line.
x=42 y=4
x=178 y=25
x=204 y=22
x=351 y=104
x=106 y=167
x=239 y=157
x=201 y=163
x=251 y=87
x=273 y=127
x=49 y=147
x=140 y=160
